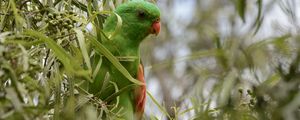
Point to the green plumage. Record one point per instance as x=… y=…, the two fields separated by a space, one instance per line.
x=137 y=19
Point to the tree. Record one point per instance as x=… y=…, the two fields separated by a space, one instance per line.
x=218 y=60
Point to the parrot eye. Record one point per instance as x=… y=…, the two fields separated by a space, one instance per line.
x=141 y=14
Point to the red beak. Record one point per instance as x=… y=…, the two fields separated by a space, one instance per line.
x=155 y=29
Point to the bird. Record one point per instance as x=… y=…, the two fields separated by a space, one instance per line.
x=139 y=19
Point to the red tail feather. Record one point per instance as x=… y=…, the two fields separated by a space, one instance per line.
x=140 y=94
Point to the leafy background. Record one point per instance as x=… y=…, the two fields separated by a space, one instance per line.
x=229 y=59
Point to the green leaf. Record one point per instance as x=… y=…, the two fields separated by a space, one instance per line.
x=119 y=92
x=117 y=96
x=83 y=100
x=25 y=58
x=259 y=19
x=57 y=94
x=271 y=81
x=83 y=48
x=101 y=49
x=118 y=26
x=80 y=5
x=158 y=105
x=263 y=43
x=241 y=8
x=229 y=81
x=97 y=68
x=25 y=43
x=68 y=61
x=19 y=20
x=14 y=79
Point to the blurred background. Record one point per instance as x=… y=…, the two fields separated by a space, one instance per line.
x=213 y=60
x=212 y=55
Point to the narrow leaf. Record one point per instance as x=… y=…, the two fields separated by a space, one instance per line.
x=241 y=7
x=101 y=49
x=70 y=65
x=118 y=26
x=83 y=49
x=158 y=105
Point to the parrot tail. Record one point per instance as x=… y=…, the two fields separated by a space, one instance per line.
x=140 y=99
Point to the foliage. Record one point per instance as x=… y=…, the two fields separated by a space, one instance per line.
x=47 y=47
x=46 y=56
x=230 y=60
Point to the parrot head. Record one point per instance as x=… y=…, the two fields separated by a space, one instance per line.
x=139 y=19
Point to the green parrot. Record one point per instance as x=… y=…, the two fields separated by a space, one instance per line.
x=139 y=19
